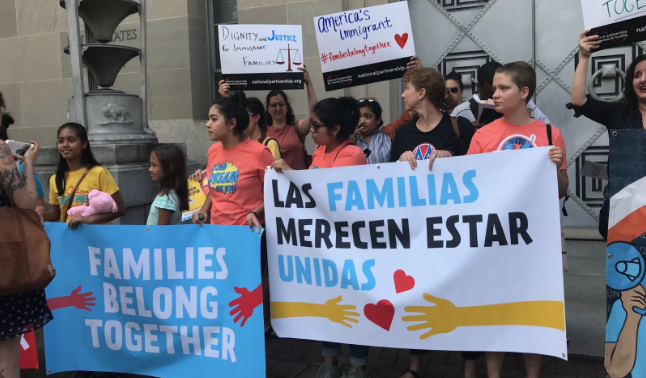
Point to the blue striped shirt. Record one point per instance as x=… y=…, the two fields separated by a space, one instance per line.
x=379 y=147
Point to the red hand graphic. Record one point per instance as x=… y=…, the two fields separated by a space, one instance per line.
x=244 y=305
x=82 y=301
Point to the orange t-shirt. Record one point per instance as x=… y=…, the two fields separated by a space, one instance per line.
x=502 y=136
x=392 y=127
x=345 y=154
x=291 y=145
x=235 y=181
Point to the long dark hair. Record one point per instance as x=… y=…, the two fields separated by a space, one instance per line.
x=4 y=126
x=342 y=111
x=171 y=159
x=233 y=107
x=7 y=121
x=629 y=92
x=290 y=118
x=87 y=157
x=255 y=106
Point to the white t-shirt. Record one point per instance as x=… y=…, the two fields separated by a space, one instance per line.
x=464 y=110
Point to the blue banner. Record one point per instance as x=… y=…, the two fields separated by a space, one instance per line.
x=164 y=301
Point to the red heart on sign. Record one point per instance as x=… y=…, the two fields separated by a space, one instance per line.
x=381 y=314
x=403 y=282
x=401 y=39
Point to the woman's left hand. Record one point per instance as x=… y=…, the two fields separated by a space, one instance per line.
x=306 y=75
x=556 y=155
x=75 y=220
x=253 y=222
x=437 y=154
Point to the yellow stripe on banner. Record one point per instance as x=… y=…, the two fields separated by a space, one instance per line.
x=549 y=314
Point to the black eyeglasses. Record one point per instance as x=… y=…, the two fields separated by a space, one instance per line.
x=454 y=89
x=367 y=152
x=368 y=99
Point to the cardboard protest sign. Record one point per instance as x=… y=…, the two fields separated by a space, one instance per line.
x=617 y=22
x=464 y=257
x=197 y=192
x=364 y=45
x=626 y=256
x=163 y=301
x=259 y=57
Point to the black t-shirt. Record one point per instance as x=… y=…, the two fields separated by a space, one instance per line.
x=409 y=138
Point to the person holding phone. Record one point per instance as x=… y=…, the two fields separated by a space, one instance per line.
x=23 y=312
x=7 y=120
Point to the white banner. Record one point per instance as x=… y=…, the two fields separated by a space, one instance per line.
x=605 y=12
x=249 y=53
x=464 y=257
x=364 y=45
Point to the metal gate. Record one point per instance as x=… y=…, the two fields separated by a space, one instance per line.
x=461 y=35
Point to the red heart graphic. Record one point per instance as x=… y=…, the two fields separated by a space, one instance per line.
x=403 y=282
x=381 y=314
x=401 y=39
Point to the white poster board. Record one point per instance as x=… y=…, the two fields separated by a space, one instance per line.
x=260 y=57
x=464 y=257
x=364 y=45
x=617 y=22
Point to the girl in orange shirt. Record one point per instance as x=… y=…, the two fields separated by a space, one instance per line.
x=236 y=168
x=332 y=121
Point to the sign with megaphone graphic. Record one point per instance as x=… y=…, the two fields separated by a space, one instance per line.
x=625 y=269
x=625 y=263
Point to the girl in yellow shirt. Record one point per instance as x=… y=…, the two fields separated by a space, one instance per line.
x=78 y=168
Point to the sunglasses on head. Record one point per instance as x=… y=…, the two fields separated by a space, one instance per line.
x=368 y=99
x=454 y=89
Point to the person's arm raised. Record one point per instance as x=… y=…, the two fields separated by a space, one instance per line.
x=223 y=88
x=28 y=161
x=586 y=45
x=304 y=124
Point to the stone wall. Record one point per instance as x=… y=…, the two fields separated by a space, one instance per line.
x=35 y=74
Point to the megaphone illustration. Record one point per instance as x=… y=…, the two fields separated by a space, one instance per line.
x=625 y=269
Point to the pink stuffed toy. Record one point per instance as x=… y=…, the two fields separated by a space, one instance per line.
x=98 y=203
